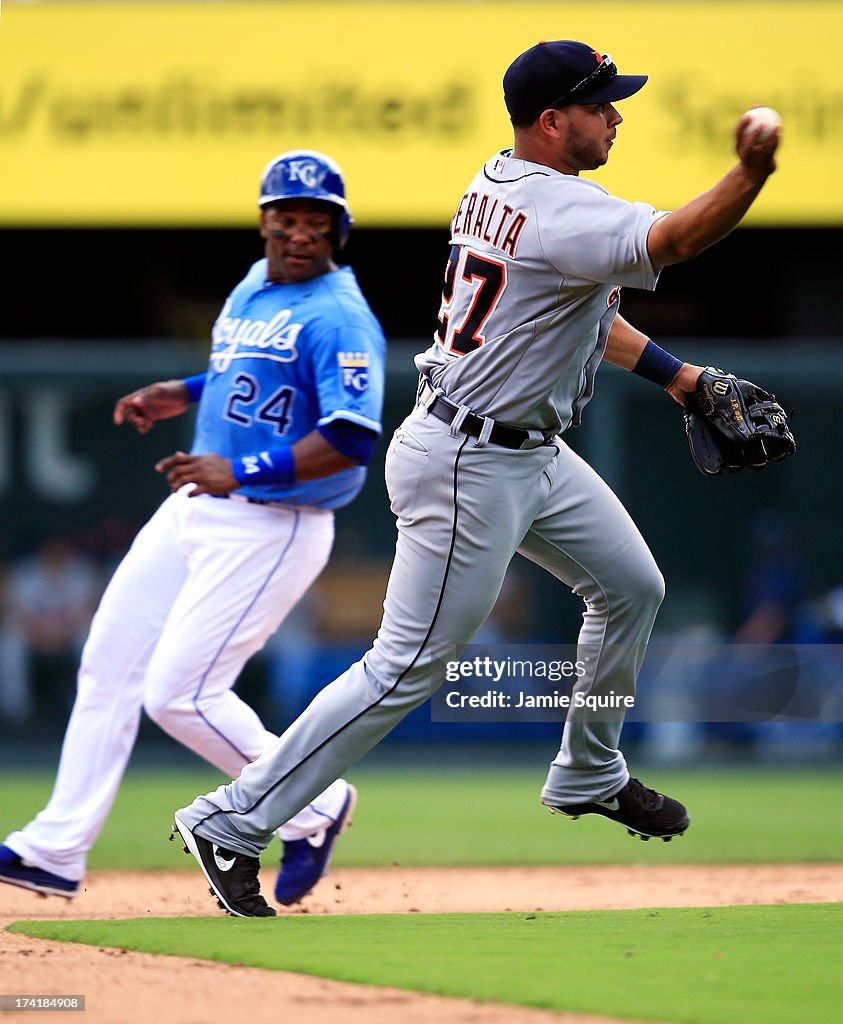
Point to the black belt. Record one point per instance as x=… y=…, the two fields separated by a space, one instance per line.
x=502 y=434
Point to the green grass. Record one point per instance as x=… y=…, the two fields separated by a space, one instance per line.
x=454 y=816
x=776 y=965
x=756 y=965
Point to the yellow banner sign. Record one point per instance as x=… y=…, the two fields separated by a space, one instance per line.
x=164 y=114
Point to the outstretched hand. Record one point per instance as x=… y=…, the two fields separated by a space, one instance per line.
x=211 y=473
x=159 y=401
x=756 y=150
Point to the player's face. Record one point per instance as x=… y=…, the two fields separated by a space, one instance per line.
x=298 y=240
x=591 y=131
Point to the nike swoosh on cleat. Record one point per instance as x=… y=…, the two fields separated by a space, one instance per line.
x=222 y=863
x=610 y=805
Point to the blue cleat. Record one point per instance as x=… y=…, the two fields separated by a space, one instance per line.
x=306 y=860
x=16 y=871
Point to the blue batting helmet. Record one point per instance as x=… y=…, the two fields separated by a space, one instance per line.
x=307 y=174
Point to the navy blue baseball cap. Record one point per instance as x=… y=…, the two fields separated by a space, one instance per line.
x=551 y=74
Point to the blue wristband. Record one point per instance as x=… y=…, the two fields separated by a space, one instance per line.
x=195 y=386
x=657 y=365
x=277 y=466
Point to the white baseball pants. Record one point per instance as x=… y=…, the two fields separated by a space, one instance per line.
x=204 y=585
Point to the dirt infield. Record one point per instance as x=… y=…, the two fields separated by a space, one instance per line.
x=132 y=988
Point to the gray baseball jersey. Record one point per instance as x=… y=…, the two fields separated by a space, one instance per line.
x=531 y=289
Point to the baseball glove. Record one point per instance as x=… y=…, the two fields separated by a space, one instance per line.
x=732 y=424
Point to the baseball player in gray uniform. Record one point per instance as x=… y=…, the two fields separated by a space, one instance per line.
x=478 y=470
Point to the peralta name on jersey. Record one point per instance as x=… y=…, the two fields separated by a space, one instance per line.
x=490 y=220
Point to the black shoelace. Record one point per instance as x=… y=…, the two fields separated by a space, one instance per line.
x=645 y=796
x=251 y=885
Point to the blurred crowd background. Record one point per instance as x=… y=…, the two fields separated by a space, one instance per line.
x=120 y=249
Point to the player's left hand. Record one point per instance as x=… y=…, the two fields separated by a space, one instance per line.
x=684 y=383
x=211 y=473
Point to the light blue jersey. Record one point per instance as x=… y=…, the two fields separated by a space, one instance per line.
x=285 y=360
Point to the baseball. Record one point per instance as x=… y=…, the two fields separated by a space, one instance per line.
x=763 y=118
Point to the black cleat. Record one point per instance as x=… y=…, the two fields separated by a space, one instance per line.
x=233 y=877
x=644 y=812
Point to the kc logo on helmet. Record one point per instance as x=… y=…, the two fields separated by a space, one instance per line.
x=354 y=371
x=308 y=172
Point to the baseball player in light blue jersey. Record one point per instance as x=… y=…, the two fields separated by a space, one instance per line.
x=478 y=471
x=289 y=413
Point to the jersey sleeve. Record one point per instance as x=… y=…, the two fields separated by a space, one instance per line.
x=588 y=234
x=348 y=368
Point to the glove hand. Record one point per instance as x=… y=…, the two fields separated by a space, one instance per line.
x=684 y=383
x=732 y=424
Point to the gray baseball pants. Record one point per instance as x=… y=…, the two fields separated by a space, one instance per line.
x=463 y=511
